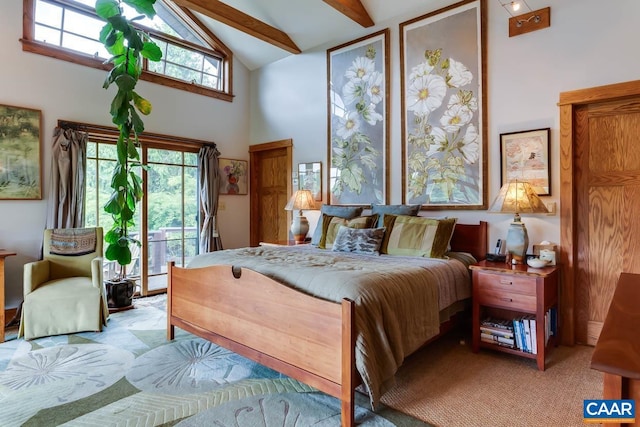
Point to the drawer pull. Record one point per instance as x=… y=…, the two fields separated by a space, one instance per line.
x=507 y=299
x=506 y=282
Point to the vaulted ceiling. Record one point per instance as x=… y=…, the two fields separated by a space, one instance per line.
x=259 y=32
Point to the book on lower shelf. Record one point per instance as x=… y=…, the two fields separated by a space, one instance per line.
x=497 y=331
x=550 y=322
x=534 y=336
x=494 y=339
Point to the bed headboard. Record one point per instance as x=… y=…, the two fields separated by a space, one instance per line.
x=470 y=238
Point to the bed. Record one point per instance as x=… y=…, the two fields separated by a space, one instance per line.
x=310 y=335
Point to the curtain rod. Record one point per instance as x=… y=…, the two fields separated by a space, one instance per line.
x=87 y=127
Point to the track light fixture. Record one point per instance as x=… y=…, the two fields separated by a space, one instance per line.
x=530 y=20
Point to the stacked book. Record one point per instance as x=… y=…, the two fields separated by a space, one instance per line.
x=497 y=331
x=525 y=333
x=551 y=324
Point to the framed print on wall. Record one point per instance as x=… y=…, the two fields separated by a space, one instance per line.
x=233 y=176
x=358 y=120
x=20 y=153
x=443 y=81
x=310 y=178
x=525 y=156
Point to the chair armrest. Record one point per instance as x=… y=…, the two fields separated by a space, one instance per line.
x=35 y=274
x=97 y=273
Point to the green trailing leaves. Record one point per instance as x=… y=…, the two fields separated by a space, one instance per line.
x=143 y=6
x=118 y=253
x=128 y=47
x=107 y=8
x=126 y=83
x=141 y=104
x=151 y=51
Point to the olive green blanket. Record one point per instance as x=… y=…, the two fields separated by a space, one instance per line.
x=398 y=299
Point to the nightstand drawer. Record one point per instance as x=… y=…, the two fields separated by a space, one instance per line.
x=508 y=300
x=506 y=283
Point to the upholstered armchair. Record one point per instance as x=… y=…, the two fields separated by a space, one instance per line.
x=64 y=292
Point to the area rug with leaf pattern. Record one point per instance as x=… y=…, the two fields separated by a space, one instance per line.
x=130 y=375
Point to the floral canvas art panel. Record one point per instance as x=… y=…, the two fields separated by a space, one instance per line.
x=358 y=82
x=443 y=104
x=20 y=153
x=233 y=176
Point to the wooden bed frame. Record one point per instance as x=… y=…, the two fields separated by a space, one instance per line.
x=306 y=338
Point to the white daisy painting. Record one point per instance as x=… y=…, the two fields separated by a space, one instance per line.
x=358 y=81
x=443 y=99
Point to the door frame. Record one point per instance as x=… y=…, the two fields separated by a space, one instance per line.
x=254 y=215
x=569 y=250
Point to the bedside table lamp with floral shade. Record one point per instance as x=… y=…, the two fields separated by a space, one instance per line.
x=301 y=200
x=518 y=197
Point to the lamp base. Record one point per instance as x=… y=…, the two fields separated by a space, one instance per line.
x=299 y=229
x=517 y=242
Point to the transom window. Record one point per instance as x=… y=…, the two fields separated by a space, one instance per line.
x=72 y=25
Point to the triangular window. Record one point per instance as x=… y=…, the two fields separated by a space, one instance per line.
x=193 y=59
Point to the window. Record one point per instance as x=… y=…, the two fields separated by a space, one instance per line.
x=70 y=30
x=167 y=223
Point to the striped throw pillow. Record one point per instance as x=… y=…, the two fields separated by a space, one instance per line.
x=417 y=236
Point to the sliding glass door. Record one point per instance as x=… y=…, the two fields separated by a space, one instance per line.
x=171 y=212
x=167 y=223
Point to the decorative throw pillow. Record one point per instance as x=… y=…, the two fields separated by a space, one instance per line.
x=382 y=210
x=417 y=236
x=359 y=241
x=340 y=211
x=332 y=223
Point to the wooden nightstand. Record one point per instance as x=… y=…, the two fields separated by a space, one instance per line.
x=505 y=291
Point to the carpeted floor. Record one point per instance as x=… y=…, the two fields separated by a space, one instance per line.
x=447 y=385
x=129 y=375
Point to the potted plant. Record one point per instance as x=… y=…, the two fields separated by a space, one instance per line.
x=128 y=46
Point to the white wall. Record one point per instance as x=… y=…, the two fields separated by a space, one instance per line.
x=590 y=43
x=62 y=90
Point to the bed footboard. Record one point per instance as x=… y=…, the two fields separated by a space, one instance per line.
x=306 y=338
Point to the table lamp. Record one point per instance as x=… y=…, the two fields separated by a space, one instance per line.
x=518 y=197
x=301 y=199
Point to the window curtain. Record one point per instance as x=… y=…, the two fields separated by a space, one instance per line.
x=65 y=206
x=209 y=180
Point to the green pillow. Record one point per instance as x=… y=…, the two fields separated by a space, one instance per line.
x=331 y=225
x=333 y=210
x=382 y=210
x=417 y=236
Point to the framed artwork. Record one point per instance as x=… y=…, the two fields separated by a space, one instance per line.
x=310 y=178
x=444 y=151
x=233 y=176
x=20 y=153
x=358 y=120
x=525 y=156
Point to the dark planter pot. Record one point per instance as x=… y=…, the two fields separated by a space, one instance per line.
x=120 y=294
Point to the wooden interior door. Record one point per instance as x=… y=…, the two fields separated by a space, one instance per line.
x=270 y=191
x=600 y=206
x=608 y=202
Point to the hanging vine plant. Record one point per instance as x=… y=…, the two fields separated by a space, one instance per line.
x=128 y=46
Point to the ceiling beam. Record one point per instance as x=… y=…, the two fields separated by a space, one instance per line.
x=353 y=9
x=241 y=21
